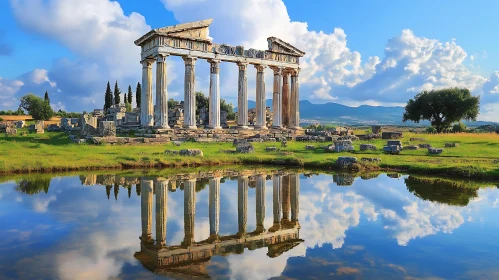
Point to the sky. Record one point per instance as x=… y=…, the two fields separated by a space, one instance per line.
x=357 y=52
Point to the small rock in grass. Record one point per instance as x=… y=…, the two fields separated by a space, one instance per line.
x=370 y=159
x=310 y=147
x=345 y=162
x=451 y=145
x=271 y=149
x=435 y=151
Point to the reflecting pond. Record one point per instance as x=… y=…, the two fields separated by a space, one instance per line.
x=247 y=224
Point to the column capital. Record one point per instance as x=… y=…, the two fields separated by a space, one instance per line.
x=260 y=68
x=295 y=72
x=147 y=62
x=277 y=70
x=189 y=60
x=161 y=57
x=286 y=72
x=242 y=65
x=214 y=66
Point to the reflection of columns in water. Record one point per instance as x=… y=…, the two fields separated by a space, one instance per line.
x=285 y=197
x=260 y=203
x=146 y=208
x=295 y=197
x=242 y=204
x=276 y=203
x=189 y=210
x=214 y=205
x=161 y=212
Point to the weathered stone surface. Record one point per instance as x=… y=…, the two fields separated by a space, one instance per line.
x=10 y=131
x=177 y=143
x=376 y=129
x=39 y=127
x=367 y=147
x=370 y=159
x=271 y=149
x=391 y=135
x=284 y=144
x=435 y=151
x=19 y=124
x=391 y=149
x=424 y=146
x=394 y=143
x=245 y=148
x=107 y=129
x=186 y=152
x=348 y=137
x=417 y=139
x=310 y=147
x=329 y=148
x=345 y=162
x=411 y=147
x=368 y=136
x=343 y=146
x=451 y=145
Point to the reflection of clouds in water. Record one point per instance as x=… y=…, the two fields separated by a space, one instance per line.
x=257 y=265
x=41 y=203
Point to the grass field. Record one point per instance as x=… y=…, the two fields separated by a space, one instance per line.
x=53 y=120
x=476 y=157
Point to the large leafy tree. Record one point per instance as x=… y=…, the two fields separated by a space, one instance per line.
x=201 y=101
x=138 y=95
x=108 y=99
x=172 y=103
x=442 y=107
x=36 y=106
x=117 y=93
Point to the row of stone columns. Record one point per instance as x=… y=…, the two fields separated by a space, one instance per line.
x=285 y=103
x=285 y=196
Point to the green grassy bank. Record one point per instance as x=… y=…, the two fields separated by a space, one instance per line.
x=476 y=157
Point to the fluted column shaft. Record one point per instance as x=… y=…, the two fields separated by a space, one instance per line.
x=189 y=210
x=242 y=97
x=277 y=200
x=285 y=197
x=146 y=106
x=190 y=93
x=295 y=100
x=260 y=203
x=242 y=204
x=214 y=102
x=161 y=114
x=146 y=208
x=214 y=205
x=161 y=212
x=276 y=100
x=295 y=197
x=285 y=99
x=261 y=106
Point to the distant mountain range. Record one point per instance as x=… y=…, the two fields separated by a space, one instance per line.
x=362 y=115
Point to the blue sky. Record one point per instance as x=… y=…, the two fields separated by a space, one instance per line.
x=358 y=52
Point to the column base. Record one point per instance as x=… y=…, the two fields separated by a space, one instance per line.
x=277 y=127
x=296 y=128
x=260 y=127
x=192 y=127
x=213 y=127
x=243 y=127
x=163 y=127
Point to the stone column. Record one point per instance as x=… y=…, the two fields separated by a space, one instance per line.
x=276 y=203
x=277 y=101
x=285 y=99
x=161 y=114
x=285 y=198
x=146 y=106
x=146 y=209
x=260 y=203
x=261 y=106
x=214 y=205
x=161 y=212
x=214 y=106
x=242 y=97
x=242 y=204
x=189 y=211
x=190 y=93
x=295 y=100
x=295 y=198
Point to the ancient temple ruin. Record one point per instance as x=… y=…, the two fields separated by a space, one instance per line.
x=191 y=42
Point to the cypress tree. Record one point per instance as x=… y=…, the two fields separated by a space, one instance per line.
x=108 y=97
x=47 y=99
x=138 y=94
x=117 y=94
x=129 y=94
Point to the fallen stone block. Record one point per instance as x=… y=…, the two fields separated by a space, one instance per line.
x=345 y=162
x=451 y=145
x=394 y=150
x=367 y=147
x=310 y=147
x=424 y=146
x=391 y=135
x=370 y=159
x=435 y=151
x=271 y=149
x=411 y=147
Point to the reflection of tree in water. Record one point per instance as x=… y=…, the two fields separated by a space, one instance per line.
x=33 y=185
x=440 y=190
x=369 y=176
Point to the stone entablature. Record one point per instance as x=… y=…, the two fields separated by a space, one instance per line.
x=191 y=42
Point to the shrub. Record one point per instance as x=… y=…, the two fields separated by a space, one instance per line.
x=431 y=130
x=459 y=127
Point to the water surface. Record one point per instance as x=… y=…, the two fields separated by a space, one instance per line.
x=248 y=224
